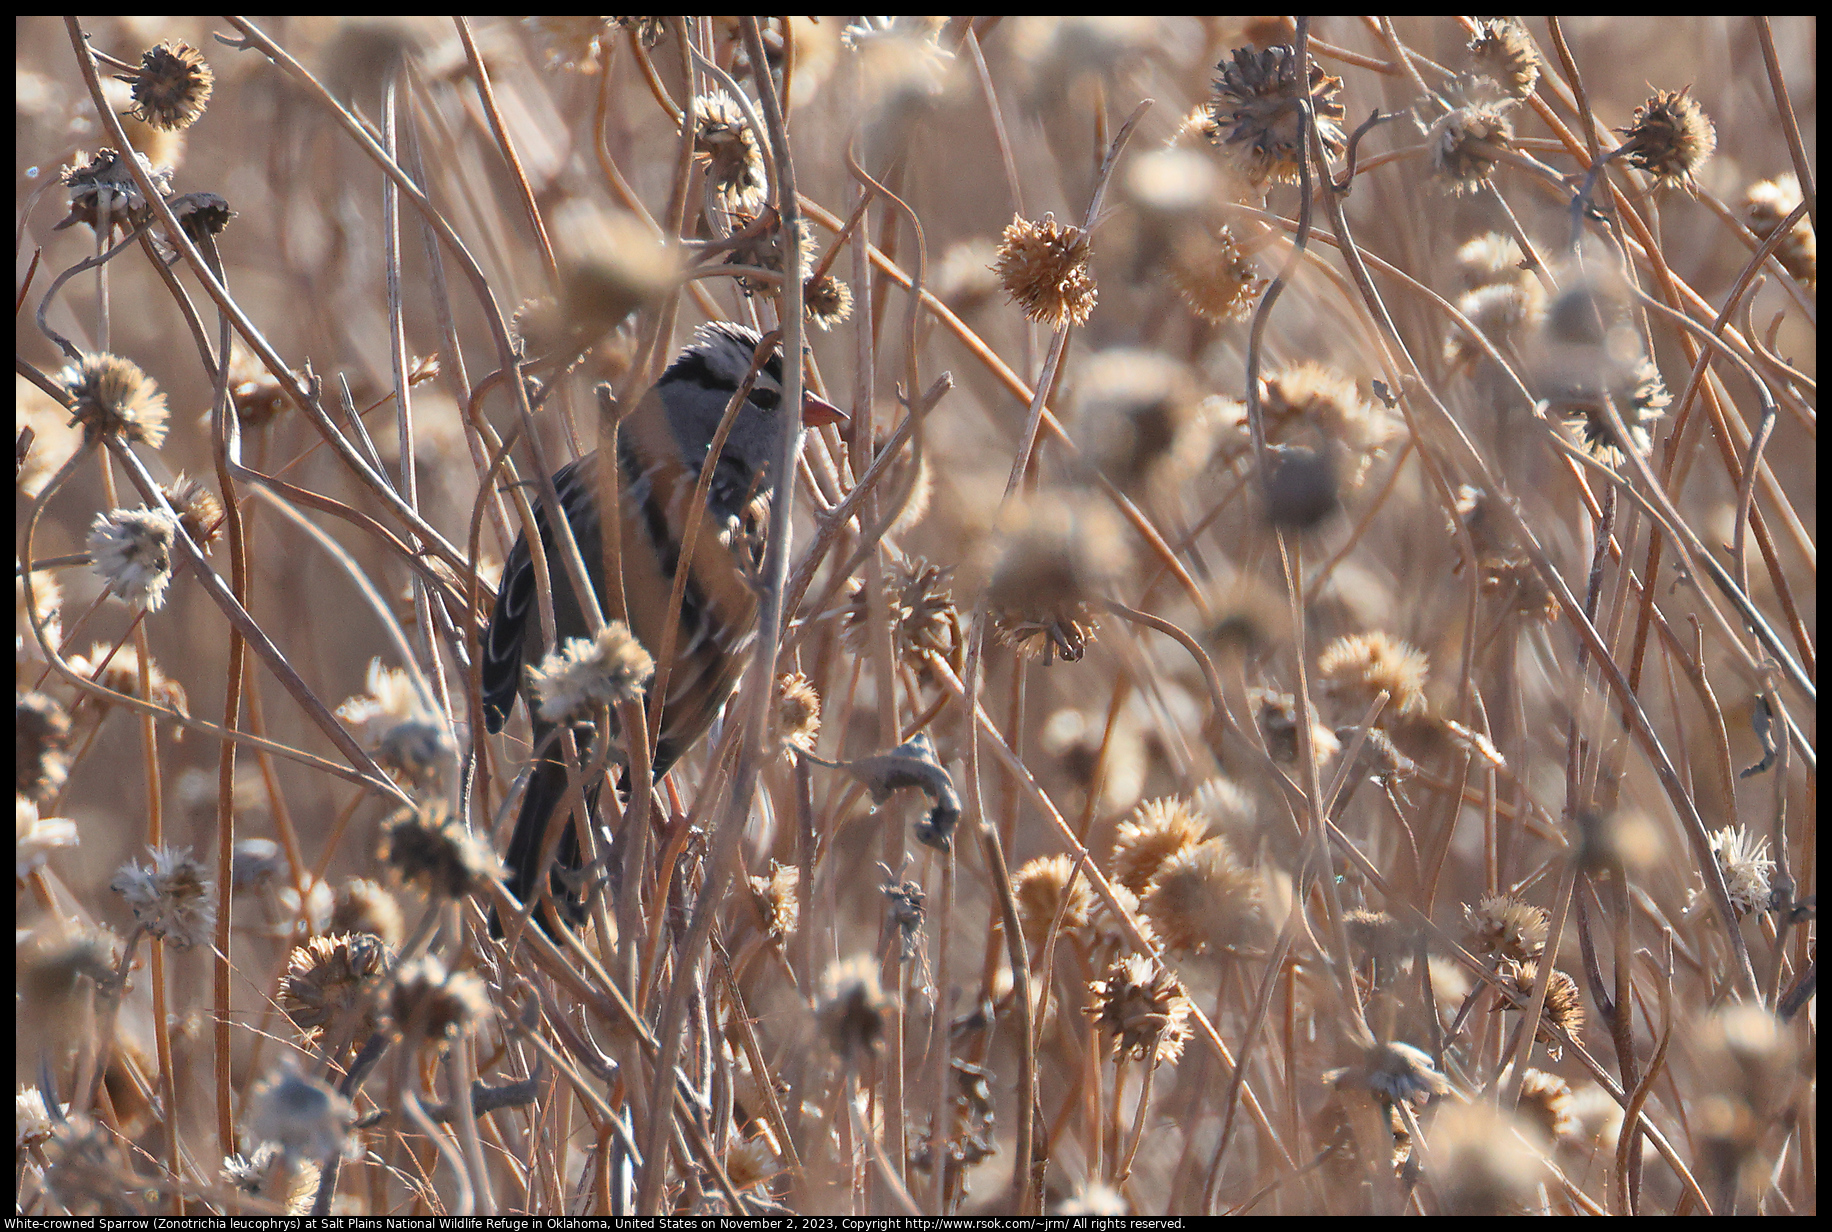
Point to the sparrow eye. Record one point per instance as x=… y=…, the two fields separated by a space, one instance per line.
x=768 y=399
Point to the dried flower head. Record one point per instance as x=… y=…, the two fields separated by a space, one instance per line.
x=1039 y=888
x=611 y=265
x=1156 y=831
x=1144 y=1008
x=1481 y=1162
x=1749 y=1056
x=1491 y=257
x=1053 y=561
x=170 y=897
x=105 y=185
x=400 y=729
x=761 y=243
x=775 y=897
x=41 y=747
x=427 y=1002
x=1748 y=873
x=1465 y=142
x=1670 y=139
x=1139 y=411
x=1363 y=664
x=724 y=144
x=1393 y=1072
x=1504 y=53
x=1256 y=112
x=35 y=837
x=1564 y=1003
x=332 y=985
x=111 y=396
x=1765 y=206
x=827 y=301
x=798 y=711
x=1308 y=403
x=583 y=674
x=1277 y=715
x=132 y=551
x=118 y=668
x=1501 y=312
x=173 y=85
x=304 y=1116
x=429 y=847
x=1043 y=267
x=198 y=510
x=924 y=620
x=853 y=1006
x=1504 y=926
x=1218 y=281
x=1203 y=900
x=1545 y=1104
x=366 y=906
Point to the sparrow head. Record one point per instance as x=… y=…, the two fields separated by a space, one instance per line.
x=700 y=381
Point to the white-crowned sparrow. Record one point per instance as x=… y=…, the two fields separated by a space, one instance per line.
x=662 y=445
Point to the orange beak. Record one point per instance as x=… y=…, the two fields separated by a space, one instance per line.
x=818 y=412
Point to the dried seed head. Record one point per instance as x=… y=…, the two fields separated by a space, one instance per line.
x=1545 y=1104
x=776 y=900
x=1504 y=53
x=173 y=85
x=1202 y=900
x=1748 y=1055
x=1043 y=267
x=1504 y=926
x=427 y=1002
x=1502 y=312
x=1765 y=206
x=610 y=266
x=1465 y=140
x=1053 y=564
x=608 y=670
x=798 y=711
x=1393 y=1072
x=1277 y=715
x=925 y=624
x=724 y=144
x=119 y=670
x=1748 y=873
x=305 y=1117
x=1256 y=112
x=171 y=897
x=1564 y=1003
x=765 y=247
x=132 y=551
x=198 y=510
x=1039 y=888
x=1670 y=139
x=1364 y=664
x=429 y=847
x=105 y=184
x=1143 y=1006
x=1139 y=411
x=1480 y=1163
x=1156 y=831
x=112 y=396
x=827 y=301
x=1491 y=257
x=41 y=747
x=333 y=983
x=1216 y=279
x=1589 y=355
x=366 y=906
x=1307 y=402
x=853 y=1006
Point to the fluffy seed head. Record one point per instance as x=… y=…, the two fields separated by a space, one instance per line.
x=1156 y=831
x=1671 y=138
x=112 y=396
x=1202 y=900
x=1363 y=664
x=1504 y=53
x=1043 y=267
